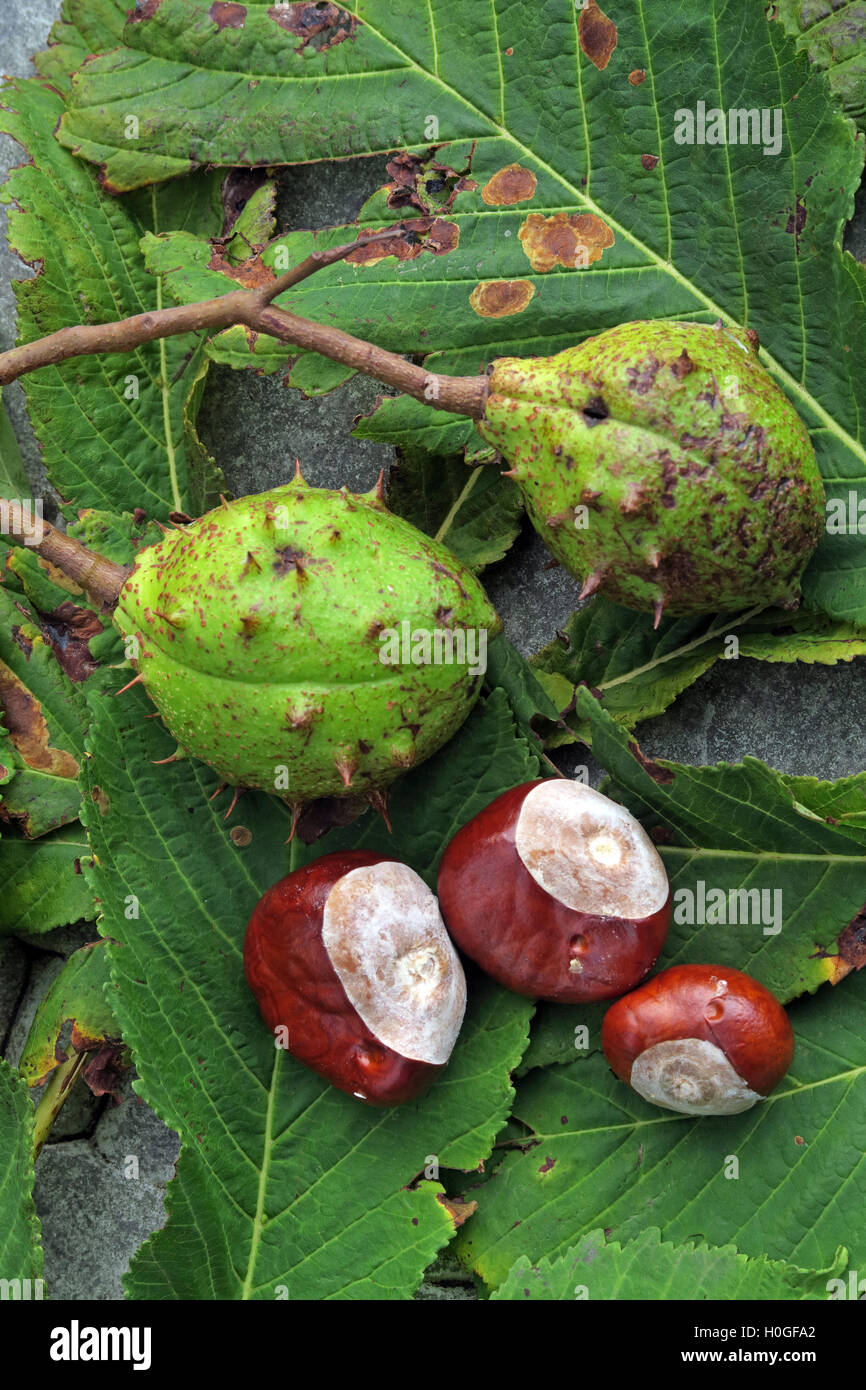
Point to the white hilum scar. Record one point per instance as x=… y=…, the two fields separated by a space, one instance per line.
x=589 y=852
x=693 y=1077
x=388 y=945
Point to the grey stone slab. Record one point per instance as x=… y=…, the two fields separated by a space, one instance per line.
x=131 y=1131
x=806 y=720
x=94 y=1218
x=256 y=428
x=14 y=965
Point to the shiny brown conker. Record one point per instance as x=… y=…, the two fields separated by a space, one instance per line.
x=557 y=892
x=349 y=955
x=699 y=1039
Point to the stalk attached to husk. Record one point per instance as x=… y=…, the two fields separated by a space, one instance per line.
x=255 y=310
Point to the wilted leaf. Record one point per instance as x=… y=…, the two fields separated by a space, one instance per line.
x=78 y=997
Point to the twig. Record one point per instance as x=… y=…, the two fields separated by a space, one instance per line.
x=101 y=579
x=253 y=309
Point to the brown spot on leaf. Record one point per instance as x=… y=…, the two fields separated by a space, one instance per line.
x=252 y=274
x=144 y=9
x=637 y=76
x=22 y=641
x=227 y=16
x=649 y=161
x=513 y=184
x=662 y=775
x=574 y=240
x=851 y=946
x=796 y=222
x=240 y=836
x=661 y=835
x=68 y=630
x=597 y=35
x=423 y=182
x=100 y=800
x=320 y=26
x=411 y=238
x=25 y=723
x=547 y=1165
x=497 y=299
x=458 y=1211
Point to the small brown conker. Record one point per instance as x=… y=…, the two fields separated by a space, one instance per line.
x=699 y=1039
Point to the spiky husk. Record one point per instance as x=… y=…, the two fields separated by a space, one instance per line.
x=259 y=640
x=663 y=466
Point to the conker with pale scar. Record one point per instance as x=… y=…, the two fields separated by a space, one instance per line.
x=699 y=1039
x=557 y=892
x=350 y=956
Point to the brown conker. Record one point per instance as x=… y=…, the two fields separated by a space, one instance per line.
x=349 y=954
x=557 y=892
x=699 y=1039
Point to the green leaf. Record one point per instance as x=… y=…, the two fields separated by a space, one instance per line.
x=313 y=375
x=746 y=232
x=76 y=996
x=509 y=671
x=255 y=224
x=833 y=34
x=600 y=1156
x=86 y=26
x=20 y=1249
x=474 y=511
x=736 y=829
x=43 y=883
x=283 y=1181
x=637 y=672
x=111 y=427
x=652 y=1269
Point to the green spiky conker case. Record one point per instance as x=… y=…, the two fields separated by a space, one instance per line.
x=662 y=465
x=259 y=627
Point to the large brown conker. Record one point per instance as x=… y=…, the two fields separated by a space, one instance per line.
x=557 y=892
x=350 y=956
x=699 y=1039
